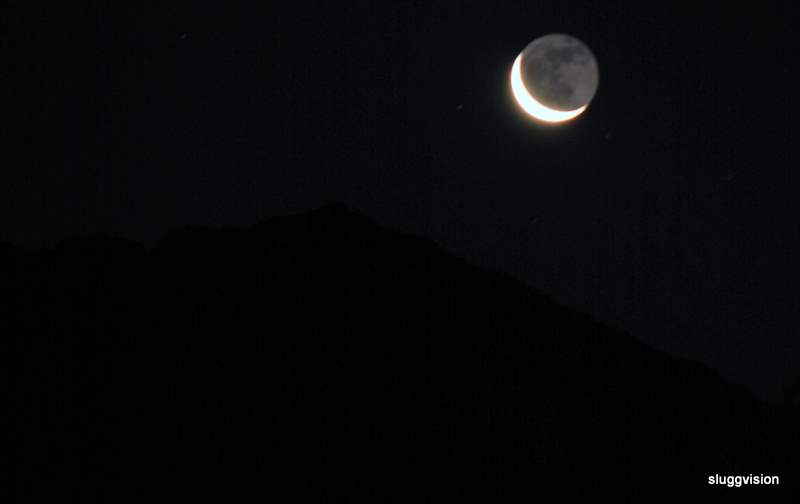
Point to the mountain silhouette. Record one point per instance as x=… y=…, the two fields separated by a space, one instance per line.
x=322 y=356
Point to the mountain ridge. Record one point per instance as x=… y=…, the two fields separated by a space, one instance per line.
x=356 y=342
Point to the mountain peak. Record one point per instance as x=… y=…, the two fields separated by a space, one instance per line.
x=325 y=346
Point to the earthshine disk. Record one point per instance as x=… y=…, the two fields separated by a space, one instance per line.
x=554 y=78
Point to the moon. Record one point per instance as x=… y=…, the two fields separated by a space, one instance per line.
x=554 y=78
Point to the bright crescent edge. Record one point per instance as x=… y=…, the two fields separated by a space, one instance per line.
x=529 y=103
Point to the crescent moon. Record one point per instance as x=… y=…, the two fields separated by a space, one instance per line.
x=529 y=103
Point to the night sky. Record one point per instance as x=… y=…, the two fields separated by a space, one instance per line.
x=667 y=209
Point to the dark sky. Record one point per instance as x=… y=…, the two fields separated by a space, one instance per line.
x=667 y=209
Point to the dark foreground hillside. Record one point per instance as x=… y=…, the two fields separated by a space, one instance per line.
x=321 y=358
